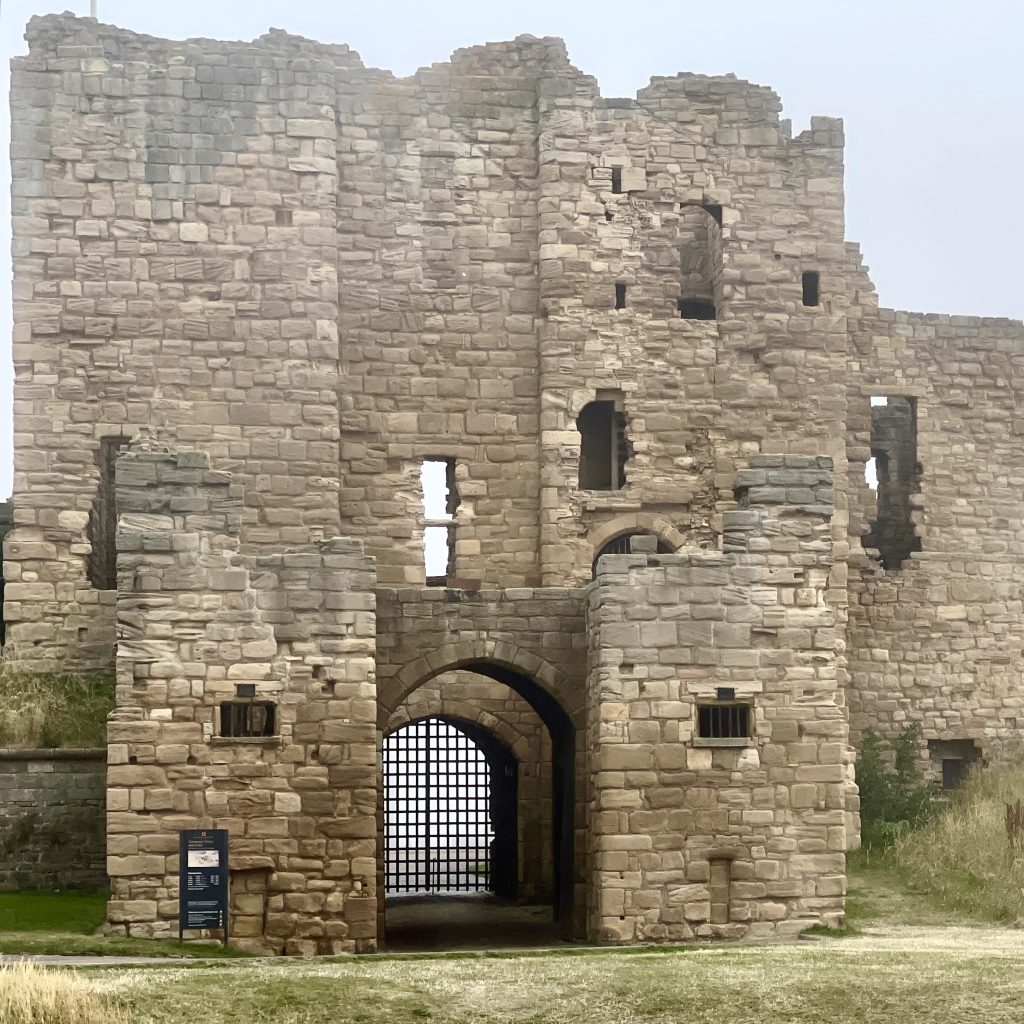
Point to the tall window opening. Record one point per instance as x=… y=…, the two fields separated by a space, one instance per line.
x=616 y=179
x=620 y=295
x=604 y=447
x=440 y=503
x=700 y=261
x=897 y=478
x=811 y=285
x=101 y=565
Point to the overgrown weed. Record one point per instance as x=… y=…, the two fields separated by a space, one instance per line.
x=48 y=710
x=963 y=856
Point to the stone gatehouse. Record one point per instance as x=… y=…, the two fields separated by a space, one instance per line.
x=702 y=512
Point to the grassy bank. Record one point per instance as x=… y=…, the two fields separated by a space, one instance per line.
x=72 y=913
x=38 y=710
x=962 y=858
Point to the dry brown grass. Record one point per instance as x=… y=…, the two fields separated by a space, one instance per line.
x=964 y=856
x=39 y=710
x=41 y=995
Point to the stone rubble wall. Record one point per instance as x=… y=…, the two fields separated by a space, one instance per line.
x=52 y=833
x=175 y=268
x=699 y=396
x=940 y=642
x=197 y=618
x=668 y=630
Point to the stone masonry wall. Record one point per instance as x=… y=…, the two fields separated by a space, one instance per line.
x=198 y=620
x=52 y=833
x=174 y=268
x=940 y=640
x=305 y=277
x=692 y=837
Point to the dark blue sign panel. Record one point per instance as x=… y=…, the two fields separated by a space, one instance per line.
x=203 y=879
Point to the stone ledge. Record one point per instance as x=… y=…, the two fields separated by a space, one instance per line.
x=247 y=741
x=53 y=754
x=732 y=742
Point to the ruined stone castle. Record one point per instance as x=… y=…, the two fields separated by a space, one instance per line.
x=707 y=511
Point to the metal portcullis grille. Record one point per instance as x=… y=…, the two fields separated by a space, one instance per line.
x=437 y=810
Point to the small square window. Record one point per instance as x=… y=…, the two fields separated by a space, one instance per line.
x=727 y=724
x=245 y=718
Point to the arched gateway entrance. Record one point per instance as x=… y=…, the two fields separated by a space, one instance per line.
x=477 y=811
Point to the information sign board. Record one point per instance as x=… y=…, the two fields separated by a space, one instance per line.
x=203 y=880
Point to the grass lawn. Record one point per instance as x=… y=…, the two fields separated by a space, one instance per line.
x=65 y=923
x=812 y=982
x=75 y=913
x=903 y=961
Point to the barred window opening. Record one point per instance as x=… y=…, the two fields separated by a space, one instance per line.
x=240 y=718
x=723 y=721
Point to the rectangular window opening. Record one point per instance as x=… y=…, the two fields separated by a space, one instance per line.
x=101 y=565
x=697 y=309
x=896 y=479
x=811 y=287
x=728 y=722
x=620 y=296
x=240 y=719
x=616 y=179
x=440 y=505
x=604 y=445
x=953 y=760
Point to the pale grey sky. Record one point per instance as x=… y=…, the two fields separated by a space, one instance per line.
x=932 y=92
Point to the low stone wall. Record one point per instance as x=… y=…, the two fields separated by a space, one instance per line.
x=53 y=819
